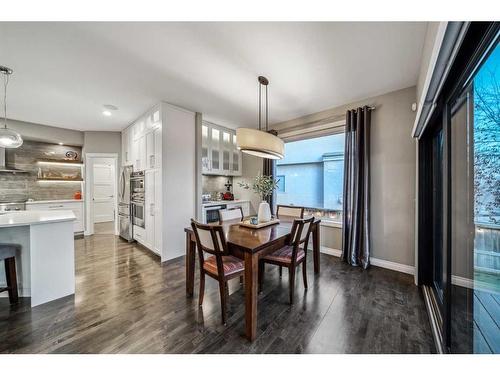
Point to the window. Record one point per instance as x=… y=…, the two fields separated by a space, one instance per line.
x=281 y=183
x=314 y=173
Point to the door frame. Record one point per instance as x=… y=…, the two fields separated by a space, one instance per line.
x=89 y=177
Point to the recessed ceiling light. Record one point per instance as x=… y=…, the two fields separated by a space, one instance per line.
x=110 y=107
x=60 y=143
x=106 y=113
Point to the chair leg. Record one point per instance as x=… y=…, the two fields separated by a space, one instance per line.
x=281 y=271
x=304 y=274
x=11 y=278
x=291 y=277
x=222 y=289
x=202 y=288
x=261 y=275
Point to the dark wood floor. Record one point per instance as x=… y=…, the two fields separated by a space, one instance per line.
x=126 y=302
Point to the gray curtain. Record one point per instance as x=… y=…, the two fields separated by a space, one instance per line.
x=269 y=169
x=356 y=199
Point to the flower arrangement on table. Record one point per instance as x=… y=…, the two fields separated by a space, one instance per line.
x=264 y=186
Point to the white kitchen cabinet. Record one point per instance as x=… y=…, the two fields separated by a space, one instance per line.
x=153 y=120
x=139 y=153
x=75 y=206
x=126 y=147
x=138 y=129
x=157 y=236
x=153 y=149
x=149 y=209
x=163 y=145
x=219 y=153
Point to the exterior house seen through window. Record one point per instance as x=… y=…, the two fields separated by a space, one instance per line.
x=311 y=175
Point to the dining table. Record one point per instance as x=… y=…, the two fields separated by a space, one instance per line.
x=250 y=244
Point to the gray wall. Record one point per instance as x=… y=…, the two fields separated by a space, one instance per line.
x=392 y=174
x=44 y=133
x=251 y=167
x=98 y=142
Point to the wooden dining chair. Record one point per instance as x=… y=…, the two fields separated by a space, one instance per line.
x=8 y=255
x=291 y=255
x=227 y=214
x=291 y=212
x=219 y=264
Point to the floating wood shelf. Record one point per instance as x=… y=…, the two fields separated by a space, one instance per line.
x=61 y=161
x=60 y=179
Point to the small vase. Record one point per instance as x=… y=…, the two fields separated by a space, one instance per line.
x=264 y=214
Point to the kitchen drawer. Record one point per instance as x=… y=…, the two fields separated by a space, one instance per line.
x=139 y=234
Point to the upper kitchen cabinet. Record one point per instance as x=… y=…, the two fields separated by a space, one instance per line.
x=219 y=153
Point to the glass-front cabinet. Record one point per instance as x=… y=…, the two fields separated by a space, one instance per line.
x=219 y=154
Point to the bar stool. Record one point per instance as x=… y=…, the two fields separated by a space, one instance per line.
x=8 y=255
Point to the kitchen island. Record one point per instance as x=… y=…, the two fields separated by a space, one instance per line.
x=46 y=260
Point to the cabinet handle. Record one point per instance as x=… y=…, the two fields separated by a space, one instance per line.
x=59 y=206
x=151 y=161
x=151 y=209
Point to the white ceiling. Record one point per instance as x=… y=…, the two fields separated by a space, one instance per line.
x=65 y=72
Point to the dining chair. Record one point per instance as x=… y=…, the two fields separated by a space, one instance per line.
x=230 y=214
x=291 y=255
x=291 y=212
x=219 y=264
x=8 y=255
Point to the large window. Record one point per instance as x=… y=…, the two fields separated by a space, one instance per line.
x=312 y=173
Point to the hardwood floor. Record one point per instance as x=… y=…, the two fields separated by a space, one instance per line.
x=126 y=302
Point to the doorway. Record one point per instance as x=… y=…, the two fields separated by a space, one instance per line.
x=101 y=185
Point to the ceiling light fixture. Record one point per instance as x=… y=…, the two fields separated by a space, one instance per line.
x=106 y=113
x=8 y=138
x=263 y=144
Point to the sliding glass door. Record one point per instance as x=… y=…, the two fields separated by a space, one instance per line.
x=475 y=212
x=459 y=200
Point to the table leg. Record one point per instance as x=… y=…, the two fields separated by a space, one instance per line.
x=190 y=259
x=316 y=248
x=251 y=289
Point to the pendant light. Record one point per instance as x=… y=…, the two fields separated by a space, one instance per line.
x=8 y=137
x=260 y=143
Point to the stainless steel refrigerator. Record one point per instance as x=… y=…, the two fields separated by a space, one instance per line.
x=124 y=216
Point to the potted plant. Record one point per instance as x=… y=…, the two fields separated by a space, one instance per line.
x=264 y=186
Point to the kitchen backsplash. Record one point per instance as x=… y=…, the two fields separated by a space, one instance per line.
x=22 y=186
x=212 y=184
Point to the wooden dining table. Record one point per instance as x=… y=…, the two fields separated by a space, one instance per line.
x=250 y=244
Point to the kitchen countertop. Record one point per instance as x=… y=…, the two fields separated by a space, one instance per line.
x=56 y=201
x=217 y=203
x=22 y=218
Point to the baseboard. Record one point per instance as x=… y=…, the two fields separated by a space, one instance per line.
x=331 y=251
x=375 y=261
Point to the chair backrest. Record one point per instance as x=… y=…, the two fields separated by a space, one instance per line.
x=290 y=211
x=301 y=229
x=230 y=214
x=209 y=238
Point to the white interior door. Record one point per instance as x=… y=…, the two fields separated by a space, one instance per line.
x=103 y=192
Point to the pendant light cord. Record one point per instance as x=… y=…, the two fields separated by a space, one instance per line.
x=267 y=115
x=260 y=104
x=6 y=81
